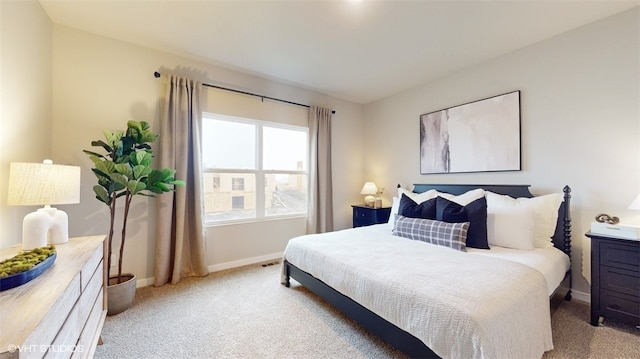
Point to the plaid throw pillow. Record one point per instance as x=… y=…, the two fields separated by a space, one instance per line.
x=452 y=235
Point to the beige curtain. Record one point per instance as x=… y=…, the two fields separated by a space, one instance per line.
x=180 y=244
x=320 y=216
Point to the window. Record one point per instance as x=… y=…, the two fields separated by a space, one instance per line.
x=253 y=169
x=237 y=184
x=237 y=202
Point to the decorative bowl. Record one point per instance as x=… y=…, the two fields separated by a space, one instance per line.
x=21 y=278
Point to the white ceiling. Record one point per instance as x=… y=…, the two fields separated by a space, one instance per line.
x=359 y=51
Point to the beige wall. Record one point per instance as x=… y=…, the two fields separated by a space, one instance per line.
x=101 y=83
x=25 y=101
x=580 y=122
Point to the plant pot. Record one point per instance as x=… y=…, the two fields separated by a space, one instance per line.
x=120 y=295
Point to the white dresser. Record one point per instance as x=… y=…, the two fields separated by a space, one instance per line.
x=59 y=314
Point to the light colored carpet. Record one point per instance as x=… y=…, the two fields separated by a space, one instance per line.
x=246 y=313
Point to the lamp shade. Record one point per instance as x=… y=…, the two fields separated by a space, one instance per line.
x=43 y=184
x=369 y=188
x=635 y=205
x=37 y=184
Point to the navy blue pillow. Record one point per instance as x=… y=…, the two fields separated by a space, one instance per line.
x=475 y=213
x=409 y=208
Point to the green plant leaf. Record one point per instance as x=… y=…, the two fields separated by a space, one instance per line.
x=149 y=136
x=143 y=157
x=106 y=167
x=102 y=177
x=141 y=171
x=163 y=186
x=178 y=183
x=102 y=195
x=102 y=144
x=119 y=150
x=154 y=176
x=124 y=169
x=119 y=179
x=134 y=126
x=136 y=186
x=94 y=154
x=113 y=138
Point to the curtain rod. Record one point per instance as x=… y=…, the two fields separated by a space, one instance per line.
x=156 y=74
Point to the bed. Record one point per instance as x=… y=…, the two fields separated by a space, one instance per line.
x=430 y=301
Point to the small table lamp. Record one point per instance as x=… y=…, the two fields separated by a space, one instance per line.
x=369 y=189
x=43 y=184
x=635 y=205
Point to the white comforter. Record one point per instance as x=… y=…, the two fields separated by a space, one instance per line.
x=460 y=305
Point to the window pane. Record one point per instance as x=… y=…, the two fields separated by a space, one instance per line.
x=284 y=149
x=229 y=196
x=285 y=194
x=228 y=144
x=237 y=184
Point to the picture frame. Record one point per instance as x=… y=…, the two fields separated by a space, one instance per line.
x=479 y=136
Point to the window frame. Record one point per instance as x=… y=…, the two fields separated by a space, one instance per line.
x=259 y=172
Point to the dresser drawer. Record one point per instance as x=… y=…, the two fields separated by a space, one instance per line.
x=364 y=215
x=620 y=306
x=54 y=319
x=65 y=342
x=86 y=347
x=619 y=254
x=93 y=265
x=620 y=280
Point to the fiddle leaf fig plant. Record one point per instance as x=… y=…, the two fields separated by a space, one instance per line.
x=125 y=171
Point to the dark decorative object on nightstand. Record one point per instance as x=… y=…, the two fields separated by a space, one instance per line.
x=615 y=279
x=366 y=216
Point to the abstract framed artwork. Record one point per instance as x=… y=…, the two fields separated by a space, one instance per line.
x=480 y=136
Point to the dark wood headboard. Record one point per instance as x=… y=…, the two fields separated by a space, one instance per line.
x=562 y=236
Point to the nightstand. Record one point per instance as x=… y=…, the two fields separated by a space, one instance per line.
x=365 y=216
x=615 y=279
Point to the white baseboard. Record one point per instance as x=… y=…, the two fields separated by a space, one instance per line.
x=581 y=296
x=222 y=266
x=144 y=282
x=245 y=261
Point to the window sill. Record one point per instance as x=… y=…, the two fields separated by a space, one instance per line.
x=252 y=220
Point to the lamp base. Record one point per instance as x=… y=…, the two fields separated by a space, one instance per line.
x=369 y=201
x=45 y=226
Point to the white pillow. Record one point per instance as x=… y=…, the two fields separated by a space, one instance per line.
x=543 y=208
x=394 y=210
x=465 y=198
x=511 y=228
x=418 y=197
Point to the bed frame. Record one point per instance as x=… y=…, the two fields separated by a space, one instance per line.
x=399 y=338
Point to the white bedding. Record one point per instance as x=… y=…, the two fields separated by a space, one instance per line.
x=551 y=262
x=460 y=304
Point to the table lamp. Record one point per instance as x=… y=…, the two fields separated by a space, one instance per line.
x=43 y=184
x=369 y=189
x=635 y=205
